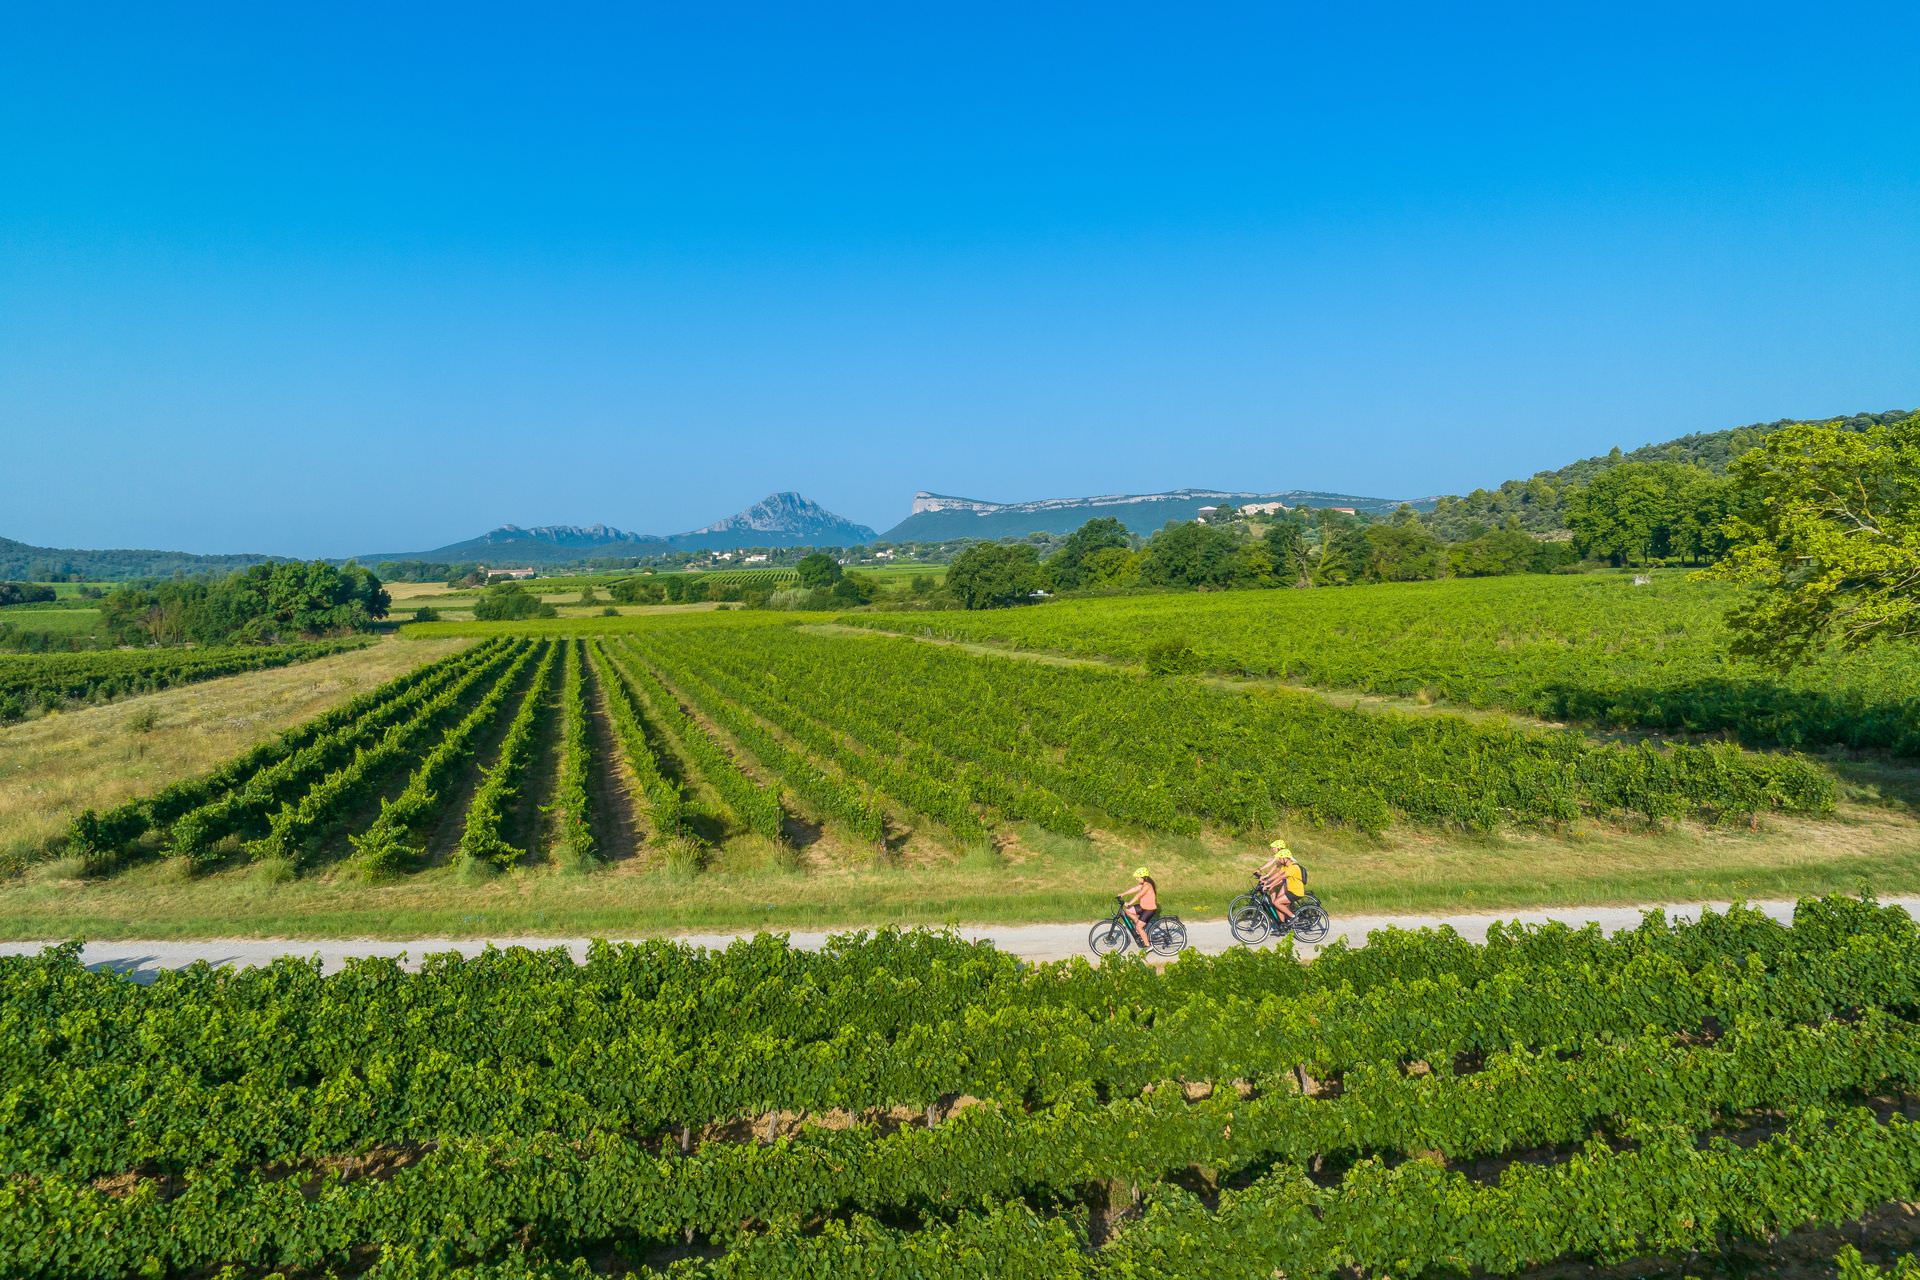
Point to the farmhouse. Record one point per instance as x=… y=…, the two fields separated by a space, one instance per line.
x=1265 y=508
x=507 y=573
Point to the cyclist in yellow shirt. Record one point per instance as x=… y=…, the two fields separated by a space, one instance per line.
x=1283 y=880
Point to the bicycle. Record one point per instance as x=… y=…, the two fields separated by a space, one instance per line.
x=1253 y=918
x=1166 y=935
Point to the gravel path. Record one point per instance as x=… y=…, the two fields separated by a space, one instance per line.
x=143 y=960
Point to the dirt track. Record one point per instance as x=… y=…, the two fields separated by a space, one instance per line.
x=1033 y=942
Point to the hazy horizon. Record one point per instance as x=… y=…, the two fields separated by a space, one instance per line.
x=325 y=282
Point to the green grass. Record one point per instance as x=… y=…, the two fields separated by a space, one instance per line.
x=53 y=620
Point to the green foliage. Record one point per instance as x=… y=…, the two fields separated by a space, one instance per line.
x=25 y=593
x=818 y=570
x=1640 y=512
x=1191 y=554
x=1507 y=550
x=994 y=575
x=45 y=681
x=483 y=837
x=1539 y=504
x=529 y=1109
x=751 y=807
x=510 y=602
x=286 y=600
x=947 y=734
x=573 y=803
x=1171 y=655
x=1593 y=649
x=1069 y=565
x=1828 y=532
x=1286 y=543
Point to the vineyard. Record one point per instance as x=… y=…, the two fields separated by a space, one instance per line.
x=711 y=727
x=913 y=1106
x=30 y=683
x=1591 y=649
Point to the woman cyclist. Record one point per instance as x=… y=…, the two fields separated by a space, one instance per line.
x=1142 y=903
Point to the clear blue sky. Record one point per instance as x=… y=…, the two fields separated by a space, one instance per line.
x=331 y=279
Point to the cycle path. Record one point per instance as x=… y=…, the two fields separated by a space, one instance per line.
x=143 y=960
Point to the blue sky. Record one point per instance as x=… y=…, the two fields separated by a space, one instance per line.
x=349 y=278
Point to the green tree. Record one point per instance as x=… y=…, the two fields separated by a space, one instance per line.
x=993 y=575
x=1344 y=557
x=818 y=570
x=1190 y=554
x=1286 y=540
x=1645 y=511
x=510 y=602
x=1112 y=567
x=1402 y=551
x=1495 y=552
x=853 y=589
x=1827 y=532
x=265 y=603
x=1068 y=565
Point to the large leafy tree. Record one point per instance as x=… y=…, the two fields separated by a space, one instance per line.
x=993 y=575
x=818 y=570
x=1638 y=512
x=1068 y=565
x=1286 y=543
x=1827 y=531
x=1191 y=554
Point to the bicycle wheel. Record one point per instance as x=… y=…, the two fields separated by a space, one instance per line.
x=1109 y=937
x=1310 y=924
x=1168 y=936
x=1247 y=921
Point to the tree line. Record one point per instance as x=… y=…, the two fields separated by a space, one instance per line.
x=264 y=604
x=1227 y=551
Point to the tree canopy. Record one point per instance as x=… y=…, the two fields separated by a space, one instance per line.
x=1827 y=531
x=510 y=602
x=268 y=603
x=818 y=570
x=993 y=575
x=1068 y=565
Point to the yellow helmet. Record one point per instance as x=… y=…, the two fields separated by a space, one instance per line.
x=1279 y=846
x=1140 y=873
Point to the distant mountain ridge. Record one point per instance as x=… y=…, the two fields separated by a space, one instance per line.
x=937 y=517
x=785 y=519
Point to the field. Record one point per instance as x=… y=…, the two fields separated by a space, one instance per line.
x=32 y=683
x=715 y=768
x=1595 y=650
x=58 y=621
x=54 y=767
x=1701 y=1099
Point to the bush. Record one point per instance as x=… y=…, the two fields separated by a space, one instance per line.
x=1171 y=657
x=510 y=602
x=426 y=613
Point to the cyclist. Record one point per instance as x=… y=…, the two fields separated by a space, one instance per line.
x=1282 y=880
x=1142 y=903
